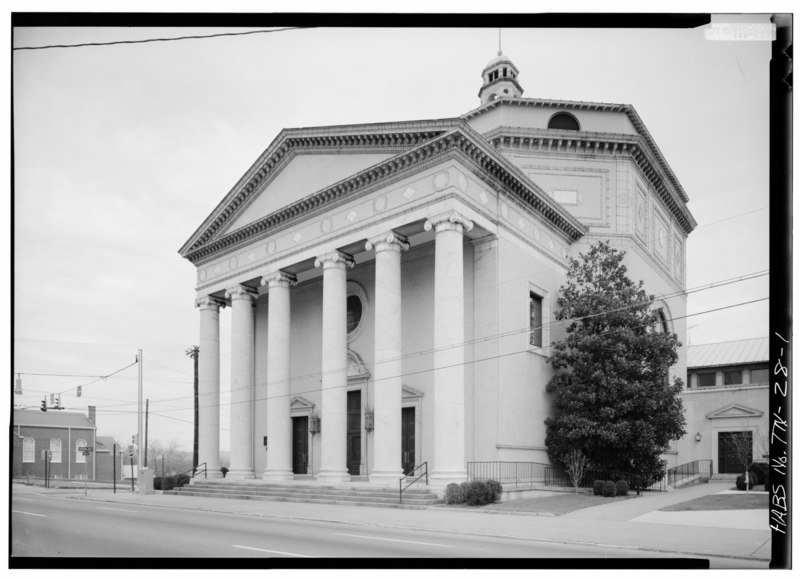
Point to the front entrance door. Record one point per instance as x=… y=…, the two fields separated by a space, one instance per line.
x=407 y=440
x=734 y=446
x=300 y=445
x=354 y=432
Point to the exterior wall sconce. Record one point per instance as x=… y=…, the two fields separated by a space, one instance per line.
x=369 y=421
x=315 y=424
x=698 y=437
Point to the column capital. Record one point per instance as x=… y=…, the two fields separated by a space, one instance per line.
x=209 y=303
x=449 y=221
x=335 y=259
x=279 y=278
x=390 y=240
x=241 y=292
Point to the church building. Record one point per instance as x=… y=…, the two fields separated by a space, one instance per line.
x=392 y=285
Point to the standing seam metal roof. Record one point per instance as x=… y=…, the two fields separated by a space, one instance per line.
x=728 y=353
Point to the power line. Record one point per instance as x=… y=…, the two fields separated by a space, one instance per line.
x=147 y=40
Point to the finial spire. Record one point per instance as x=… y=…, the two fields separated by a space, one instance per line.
x=499 y=41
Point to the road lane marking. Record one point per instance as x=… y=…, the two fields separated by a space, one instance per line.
x=271 y=551
x=24 y=499
x=394 y=540
x=28 y=514
x=117 y=510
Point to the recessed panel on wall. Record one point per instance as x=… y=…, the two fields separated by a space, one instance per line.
x=677 y=261
x=661 y=236
x=582 y=192
x=641 y=215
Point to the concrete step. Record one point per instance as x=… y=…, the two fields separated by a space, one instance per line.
x=299 y=499
x=311 y=490
x=308 y=493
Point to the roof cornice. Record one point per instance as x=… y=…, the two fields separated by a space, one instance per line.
x=586 y=142
x=461 y=139
x=587 y=106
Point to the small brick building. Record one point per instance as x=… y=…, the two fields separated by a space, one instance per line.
x=62 y=433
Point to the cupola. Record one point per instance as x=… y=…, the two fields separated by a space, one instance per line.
x=499 y=80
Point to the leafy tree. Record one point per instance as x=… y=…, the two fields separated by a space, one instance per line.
x=611 y=390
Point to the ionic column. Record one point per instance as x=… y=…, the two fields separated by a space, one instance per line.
x=333 y=460
x=388 y=382
x=242 y=334
x=279 y=422
x=208 y=386
x=448 y=343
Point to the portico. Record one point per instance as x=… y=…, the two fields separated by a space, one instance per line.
x=381 y=385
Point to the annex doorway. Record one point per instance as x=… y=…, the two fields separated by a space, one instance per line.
x=732 y=445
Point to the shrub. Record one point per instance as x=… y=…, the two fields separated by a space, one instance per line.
x=224 y=471
x=462 y=488
x=157 y=482
x=597 y=488
x=609 y=489
x=740 y=483
x=478 y=493
x=495 y=490
x=167 y=483
x=182 y=479
x=452 y=494
x=622 y=487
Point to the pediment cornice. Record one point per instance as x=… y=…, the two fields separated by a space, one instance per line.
x=460 y=141
x=735 y=411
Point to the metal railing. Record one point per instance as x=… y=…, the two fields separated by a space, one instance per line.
x=699 y=468
x=558 y=477
x=507 y=472
x=192 y=472
x=415 y=480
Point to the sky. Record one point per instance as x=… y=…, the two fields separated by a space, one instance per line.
x=121 y=151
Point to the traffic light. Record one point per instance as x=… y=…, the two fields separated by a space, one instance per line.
x=44 y=405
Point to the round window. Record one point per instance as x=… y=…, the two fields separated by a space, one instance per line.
x=354 y=312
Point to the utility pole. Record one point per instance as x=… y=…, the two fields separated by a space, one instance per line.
x=139 y=411
x=146 y=426
x=194 y=353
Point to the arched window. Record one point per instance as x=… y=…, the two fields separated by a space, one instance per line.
x=28 y=450
x=79 y=456
x=564 y=121
x=55 y=450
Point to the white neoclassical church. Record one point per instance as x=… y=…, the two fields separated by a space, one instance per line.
x=392 y=285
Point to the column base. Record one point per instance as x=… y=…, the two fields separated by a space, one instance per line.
x=240 y=474
x=277 y=475
x=442 y=478
x=333 y=476
x=386 y=477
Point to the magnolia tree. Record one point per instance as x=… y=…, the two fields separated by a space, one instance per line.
x=611 y=391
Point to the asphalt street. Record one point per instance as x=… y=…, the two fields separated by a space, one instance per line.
x=66 y=523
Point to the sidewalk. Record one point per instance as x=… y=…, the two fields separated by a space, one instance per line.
x=617 y=525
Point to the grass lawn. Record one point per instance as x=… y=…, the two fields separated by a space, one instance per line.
x=556 y=505
x=723 y=501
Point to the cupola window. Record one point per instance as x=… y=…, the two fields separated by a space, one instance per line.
x=563 y=121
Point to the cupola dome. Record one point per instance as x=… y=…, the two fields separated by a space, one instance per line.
x=499 y=80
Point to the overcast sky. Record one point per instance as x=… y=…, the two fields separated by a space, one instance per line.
x=122 y=151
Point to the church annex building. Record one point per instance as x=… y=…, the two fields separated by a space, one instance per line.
x=392 y=284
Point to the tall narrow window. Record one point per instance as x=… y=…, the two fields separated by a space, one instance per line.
x=79 y=456
x=55 y=450
x=535 y=311
x=28 y=450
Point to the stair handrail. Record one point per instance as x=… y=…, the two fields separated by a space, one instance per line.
x=194 y=471
x=415 y=480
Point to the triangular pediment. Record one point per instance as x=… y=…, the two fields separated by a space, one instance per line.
x=415 y=147
x=410 y=393
x=303 y=174
x=735 y=411
x=301 y=404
